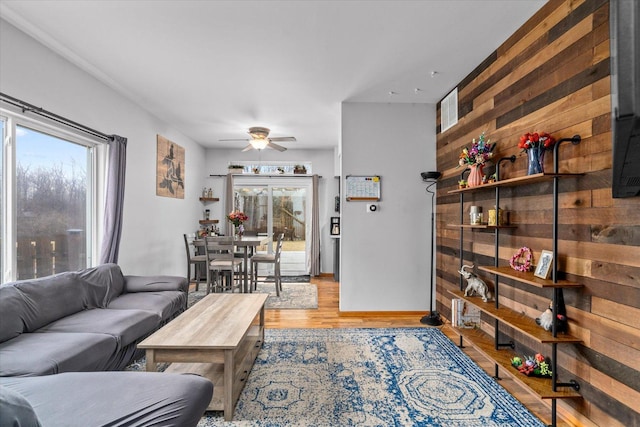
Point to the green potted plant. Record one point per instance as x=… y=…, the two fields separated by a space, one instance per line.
x=236 y=168
x=299 y=169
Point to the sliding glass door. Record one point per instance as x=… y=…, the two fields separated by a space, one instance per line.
x=274 y=206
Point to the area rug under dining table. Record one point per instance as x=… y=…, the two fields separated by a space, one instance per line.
x=293 y=295
x=369 y=377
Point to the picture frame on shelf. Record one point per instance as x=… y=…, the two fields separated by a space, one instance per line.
x=544 y=265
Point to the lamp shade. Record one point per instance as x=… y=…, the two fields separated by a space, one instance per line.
x=426 y=176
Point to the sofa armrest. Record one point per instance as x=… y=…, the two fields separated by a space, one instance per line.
x=155 y=284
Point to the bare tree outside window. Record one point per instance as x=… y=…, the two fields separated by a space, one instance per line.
x=51 y=204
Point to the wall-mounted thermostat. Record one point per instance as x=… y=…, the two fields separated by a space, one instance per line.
x=371 y=207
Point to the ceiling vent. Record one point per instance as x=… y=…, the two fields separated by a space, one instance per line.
x=449 y=110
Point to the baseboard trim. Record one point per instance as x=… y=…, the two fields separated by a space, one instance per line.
x=380 y=313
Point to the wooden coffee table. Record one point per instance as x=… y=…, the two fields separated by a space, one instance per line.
x=218 y=338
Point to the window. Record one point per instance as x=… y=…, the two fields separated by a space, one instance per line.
x=272 y=167
x=2 y=217
x=280 y=206
x=49 y=183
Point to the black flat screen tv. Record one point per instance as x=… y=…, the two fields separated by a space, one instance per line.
x=624 y=25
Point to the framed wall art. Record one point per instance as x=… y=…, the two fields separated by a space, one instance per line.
x=170 y=169
x=544 y=265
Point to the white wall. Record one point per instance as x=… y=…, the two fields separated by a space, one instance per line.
x=323 y=164
x=384 y=265
x=385 y=255
x=153 y=226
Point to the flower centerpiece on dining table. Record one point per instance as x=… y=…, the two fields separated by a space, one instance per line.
x=237 y=218
x=475 y=158
x=535 y=144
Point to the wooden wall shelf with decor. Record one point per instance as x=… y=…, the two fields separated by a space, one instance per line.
x=501 y=353
x=513 y=182
x=208 y=221
x=528 y=278
x=517 y=321
x=206 y=200
x=481 y=226
x=540 y=386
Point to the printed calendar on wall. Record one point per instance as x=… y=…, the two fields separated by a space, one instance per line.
x=359 y=187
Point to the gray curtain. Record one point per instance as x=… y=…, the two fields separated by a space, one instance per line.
x=228 y=203
x=315 y=230
x=114 y=201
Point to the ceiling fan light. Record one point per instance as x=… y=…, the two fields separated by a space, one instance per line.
x=259 y=144
x=259 y=132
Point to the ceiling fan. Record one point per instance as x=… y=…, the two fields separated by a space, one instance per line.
x=260 y=139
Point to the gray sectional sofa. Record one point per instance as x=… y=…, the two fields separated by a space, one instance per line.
x=57 y=332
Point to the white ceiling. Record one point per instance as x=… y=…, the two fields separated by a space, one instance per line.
x=215 y=68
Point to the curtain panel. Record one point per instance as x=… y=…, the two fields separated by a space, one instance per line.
x=315 y=230
x=114 y=201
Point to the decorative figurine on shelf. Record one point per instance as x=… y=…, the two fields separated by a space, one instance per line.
x=546 y=318
x=475 y=285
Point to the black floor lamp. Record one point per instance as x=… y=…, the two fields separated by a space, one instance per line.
x=433 y=318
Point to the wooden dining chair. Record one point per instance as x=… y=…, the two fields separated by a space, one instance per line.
x=222 y=262
x=274 y=259
x=198 y=261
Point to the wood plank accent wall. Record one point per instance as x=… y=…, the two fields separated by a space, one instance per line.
x=553 y=75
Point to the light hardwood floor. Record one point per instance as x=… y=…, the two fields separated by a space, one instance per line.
x=328 y=316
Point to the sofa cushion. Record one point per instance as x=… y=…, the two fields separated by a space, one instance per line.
x=45 y=354
x=126 y=325
x=165 y=304
x=15 y=410
x=116 y=398
x=104 y=282
x=11 y=302
x=49 y=298
x=155 y=283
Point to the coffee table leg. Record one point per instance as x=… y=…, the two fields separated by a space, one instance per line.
x=151 y=364
x=229 y=379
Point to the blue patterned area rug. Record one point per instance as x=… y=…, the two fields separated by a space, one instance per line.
x=370 y=377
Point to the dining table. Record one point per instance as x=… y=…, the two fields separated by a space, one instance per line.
x=248 y=244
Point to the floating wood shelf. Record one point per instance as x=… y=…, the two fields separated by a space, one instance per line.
x=208 y=221
x=482 y=226
x=512 y=182
x=209 y=199
x=528 y=278
x=517 y=321
x=486 y=346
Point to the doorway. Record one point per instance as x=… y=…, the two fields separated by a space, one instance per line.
x=274 y=206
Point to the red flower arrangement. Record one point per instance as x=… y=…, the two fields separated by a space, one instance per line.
x=536 y=140
x=237 y=218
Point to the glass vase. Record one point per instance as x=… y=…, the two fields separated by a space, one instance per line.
x=475 y=176
x=536 y=160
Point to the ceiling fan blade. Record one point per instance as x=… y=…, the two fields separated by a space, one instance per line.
x=284 y=139
x=233 y=140
x=276 y=146
x=247 y=148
